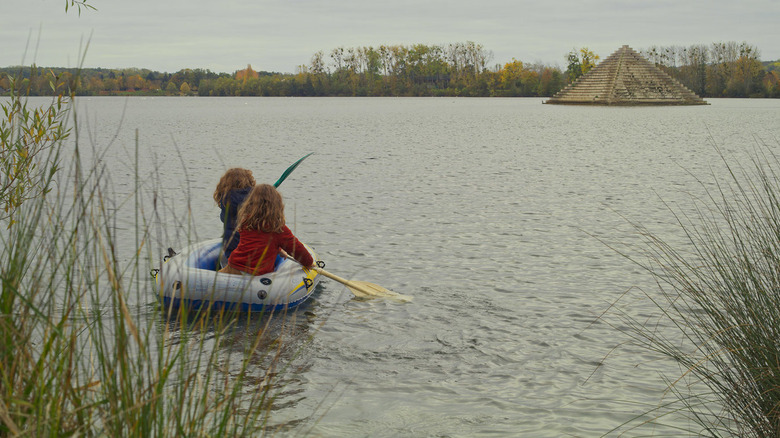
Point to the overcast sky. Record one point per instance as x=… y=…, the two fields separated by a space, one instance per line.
x=279 y=35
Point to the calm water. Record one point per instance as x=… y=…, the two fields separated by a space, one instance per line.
x=489 y=212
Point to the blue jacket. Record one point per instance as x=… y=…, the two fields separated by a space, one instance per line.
x=228 y=216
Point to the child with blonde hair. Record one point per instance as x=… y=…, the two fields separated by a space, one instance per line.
x=232 y=189
x=263 y=234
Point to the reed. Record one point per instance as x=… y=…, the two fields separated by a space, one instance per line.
x=719 y=302
x=78 y=357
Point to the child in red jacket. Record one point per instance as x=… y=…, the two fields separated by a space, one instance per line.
x=262 y=234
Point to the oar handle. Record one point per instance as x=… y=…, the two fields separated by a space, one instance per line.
x=350 y=284
x=333 y=276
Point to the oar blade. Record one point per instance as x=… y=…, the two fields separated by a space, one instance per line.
x=364 y=289
x=290 y=170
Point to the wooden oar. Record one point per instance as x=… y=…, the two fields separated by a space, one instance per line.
x=364 y=289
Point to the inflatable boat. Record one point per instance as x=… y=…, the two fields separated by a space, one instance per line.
x=189 y=279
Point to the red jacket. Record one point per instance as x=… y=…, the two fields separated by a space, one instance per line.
x=256 y=251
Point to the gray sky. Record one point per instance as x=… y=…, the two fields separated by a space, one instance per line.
x=279 y=35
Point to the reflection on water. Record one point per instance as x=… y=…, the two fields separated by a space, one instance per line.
x=492 y=213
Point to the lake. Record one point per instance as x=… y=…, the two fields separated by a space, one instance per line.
x=496 y=215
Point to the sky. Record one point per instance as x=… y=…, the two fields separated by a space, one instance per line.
x=281 y=35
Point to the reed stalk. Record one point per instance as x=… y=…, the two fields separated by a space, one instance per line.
x=718 y=298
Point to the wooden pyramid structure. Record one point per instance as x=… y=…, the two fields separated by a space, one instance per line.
x=626 y=78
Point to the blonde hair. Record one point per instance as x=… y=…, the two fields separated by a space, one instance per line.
x=262 y=210
x=235 y=178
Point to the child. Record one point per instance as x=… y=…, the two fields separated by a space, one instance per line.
x=263 y=233
x=231 y=191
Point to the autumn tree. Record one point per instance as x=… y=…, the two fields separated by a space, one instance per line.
x=550 y=81
x=588 y=59
x=318 y=71
x=5 y=82
x=771 y=83
x=244 y=75
x=511 y=77
x=747 y=73
x=579 y=62
x=135 y=82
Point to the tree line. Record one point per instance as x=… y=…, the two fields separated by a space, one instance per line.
x=727 y=69
x=460 y=69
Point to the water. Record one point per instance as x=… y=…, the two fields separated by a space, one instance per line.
x=494 y=214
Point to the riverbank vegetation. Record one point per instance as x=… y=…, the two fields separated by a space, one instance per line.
x=459 y=69
x=718 y=303
x=85 y=349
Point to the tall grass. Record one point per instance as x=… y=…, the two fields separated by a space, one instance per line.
x=77 y=358
x=719 y=292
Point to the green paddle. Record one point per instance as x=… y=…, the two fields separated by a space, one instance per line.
x=290 y=170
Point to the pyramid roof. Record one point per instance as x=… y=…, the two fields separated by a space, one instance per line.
x=626 y=78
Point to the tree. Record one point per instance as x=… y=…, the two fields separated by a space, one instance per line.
x=772 y=83
x=580 y=62
x=244 y=75
x=693 y=71
x=550 y=81
x=574 y=67
x=5 y=83
x=135 y=82
x=510 y=76
x=318 y=64
x=319 y=73
x=337 y=55
x=171 y=89
x=587 y=59
x=747 y=72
